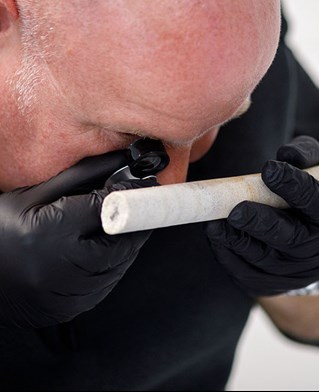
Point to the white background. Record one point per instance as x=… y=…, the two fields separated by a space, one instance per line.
x=265 y=360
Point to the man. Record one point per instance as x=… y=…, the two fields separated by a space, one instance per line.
x=83 y=78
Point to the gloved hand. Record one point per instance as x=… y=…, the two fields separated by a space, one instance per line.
x=55 y=260
x=269 y=251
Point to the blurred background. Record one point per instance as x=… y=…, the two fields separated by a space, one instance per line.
x=265 y=360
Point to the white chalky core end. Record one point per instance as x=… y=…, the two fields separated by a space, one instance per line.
x=115 y=213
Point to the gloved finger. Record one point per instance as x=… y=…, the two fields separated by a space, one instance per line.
x=277 y=228
x=76 y=282
x=88 y=174
x=106 y=252
x=75 y=302
x=248 y=277
x=298 y=188
x=82 y=213
x=131 y=184
x=255 y=281
x=262 y=256
x=302 y=152
x=221 y=233
x=77 y=221
x=72 y=216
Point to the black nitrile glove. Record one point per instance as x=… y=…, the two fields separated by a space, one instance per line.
x=269 y=251
x=55 y=260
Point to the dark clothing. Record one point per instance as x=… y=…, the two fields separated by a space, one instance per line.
x=174 y=320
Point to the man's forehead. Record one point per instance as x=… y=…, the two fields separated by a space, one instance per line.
x=164 y=85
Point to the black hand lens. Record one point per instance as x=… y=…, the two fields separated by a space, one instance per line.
x=146 y=158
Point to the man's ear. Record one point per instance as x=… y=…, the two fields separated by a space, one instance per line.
x=8 y=14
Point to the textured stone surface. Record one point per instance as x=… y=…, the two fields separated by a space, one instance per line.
x=170 y=205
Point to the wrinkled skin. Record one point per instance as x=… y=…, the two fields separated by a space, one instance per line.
x=82 y=78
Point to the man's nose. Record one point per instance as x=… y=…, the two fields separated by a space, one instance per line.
x=176 y=171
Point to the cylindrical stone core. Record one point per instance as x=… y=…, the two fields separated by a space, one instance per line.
x=171 y=205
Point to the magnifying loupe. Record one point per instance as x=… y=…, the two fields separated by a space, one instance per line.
x=146 y=158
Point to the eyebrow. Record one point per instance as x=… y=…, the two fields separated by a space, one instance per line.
x=138 y=132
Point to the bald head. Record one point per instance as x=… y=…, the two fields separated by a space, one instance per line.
x=170 y=69
x=179 y=60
